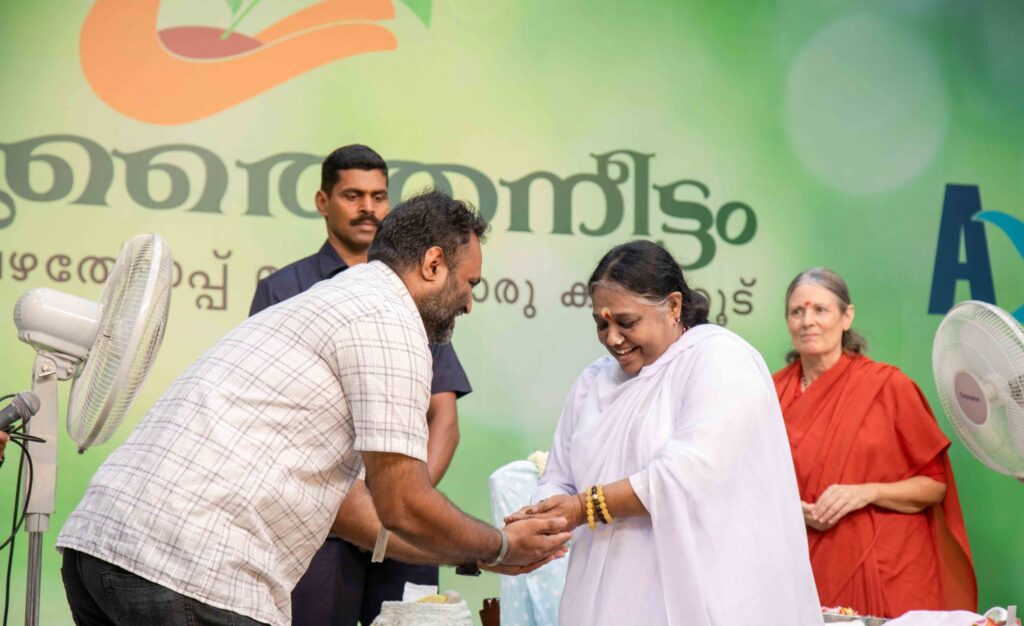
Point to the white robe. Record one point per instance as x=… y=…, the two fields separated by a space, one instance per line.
x=700 y=435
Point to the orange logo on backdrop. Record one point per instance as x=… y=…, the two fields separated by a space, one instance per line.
x=186 y=73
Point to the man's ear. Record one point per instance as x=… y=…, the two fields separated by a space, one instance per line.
x=321 y=200
x=434 y=266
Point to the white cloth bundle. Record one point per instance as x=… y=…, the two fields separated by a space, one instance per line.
x=423 y=614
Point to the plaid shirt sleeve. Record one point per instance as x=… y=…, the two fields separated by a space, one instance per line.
x=384 y=369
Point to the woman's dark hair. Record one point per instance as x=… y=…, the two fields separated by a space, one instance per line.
x=352 y=157
x=648 y=270
x=431 y=218
x=853 y=342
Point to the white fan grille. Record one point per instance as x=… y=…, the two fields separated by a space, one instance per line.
x=135 y=301
x=981 y=341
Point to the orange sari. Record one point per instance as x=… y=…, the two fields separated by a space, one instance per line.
x=863 y=422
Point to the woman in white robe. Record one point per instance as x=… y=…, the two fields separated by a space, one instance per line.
x=682 y=428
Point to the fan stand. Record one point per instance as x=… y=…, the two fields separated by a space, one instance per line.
x=47 y=370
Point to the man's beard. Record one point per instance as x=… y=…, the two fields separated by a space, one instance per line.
x=439 y=312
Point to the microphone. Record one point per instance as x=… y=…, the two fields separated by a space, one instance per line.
x=23 y=406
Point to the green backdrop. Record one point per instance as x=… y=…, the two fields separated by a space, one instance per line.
x=753 y=139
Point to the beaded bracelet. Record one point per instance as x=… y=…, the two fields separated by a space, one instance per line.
x=596 y=504
x=590 y=513
x=604 y=506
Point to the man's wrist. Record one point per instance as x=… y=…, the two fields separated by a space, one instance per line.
x=471 y=568
x=502 y=549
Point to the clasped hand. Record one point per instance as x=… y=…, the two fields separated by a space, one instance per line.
x=834 y=503
x=538 y=533
x=532 y=543
x=570 y=509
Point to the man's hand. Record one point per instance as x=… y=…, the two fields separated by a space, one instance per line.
x=570 y=508
x=409 y=506
x=521 y=514
x=533 y=540
x=515 y=570
x=4 y=438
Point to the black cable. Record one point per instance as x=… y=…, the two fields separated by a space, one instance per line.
x=10 y=556
x=16 y=523
x=25 y=456
x=25 y=437
x=17 y=435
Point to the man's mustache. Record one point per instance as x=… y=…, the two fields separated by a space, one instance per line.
x=367 y=218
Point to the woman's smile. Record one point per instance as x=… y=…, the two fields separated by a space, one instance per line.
x=622 y=353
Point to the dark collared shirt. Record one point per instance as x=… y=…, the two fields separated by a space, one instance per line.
x=299 y=276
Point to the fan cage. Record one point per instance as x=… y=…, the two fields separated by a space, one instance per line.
x=135 y=302
x=999 y=442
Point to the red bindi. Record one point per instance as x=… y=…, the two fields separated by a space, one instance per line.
x=807 y=304
x=606 y=314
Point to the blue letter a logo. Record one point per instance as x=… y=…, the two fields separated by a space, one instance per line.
x=961 y=203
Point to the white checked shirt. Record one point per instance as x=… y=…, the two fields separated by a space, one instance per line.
x=231 y=481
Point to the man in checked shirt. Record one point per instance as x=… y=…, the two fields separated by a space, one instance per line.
x=342 y=586
x=214 y=506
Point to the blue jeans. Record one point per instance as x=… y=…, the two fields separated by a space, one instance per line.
x=102 y=594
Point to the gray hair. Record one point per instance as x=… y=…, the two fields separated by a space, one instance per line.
x=853 y=342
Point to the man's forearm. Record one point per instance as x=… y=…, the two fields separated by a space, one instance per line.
x=412 y=508
x=430 y=519
x=357 y=523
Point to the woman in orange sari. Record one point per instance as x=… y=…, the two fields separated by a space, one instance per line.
x=883 y=519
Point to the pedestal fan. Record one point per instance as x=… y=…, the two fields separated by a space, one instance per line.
x=106 y=349
x=978 y=361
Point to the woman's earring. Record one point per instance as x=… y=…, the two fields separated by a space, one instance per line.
x=677 y=320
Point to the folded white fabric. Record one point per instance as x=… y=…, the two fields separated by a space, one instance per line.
x=414 y=592
x=935 y=618
x=423 y=614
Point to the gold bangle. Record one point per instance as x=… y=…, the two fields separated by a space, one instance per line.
x=604 y=506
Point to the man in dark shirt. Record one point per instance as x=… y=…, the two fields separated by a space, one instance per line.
x=341 y=585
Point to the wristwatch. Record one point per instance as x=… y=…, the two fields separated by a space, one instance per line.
x=469 y=568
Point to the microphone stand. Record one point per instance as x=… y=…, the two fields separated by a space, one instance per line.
x=47 y=370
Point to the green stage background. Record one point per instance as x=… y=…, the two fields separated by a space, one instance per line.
x=753 y=139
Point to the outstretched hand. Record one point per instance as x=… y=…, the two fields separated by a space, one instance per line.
x=533 y=540
x=569 y=508
x=515 y=570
